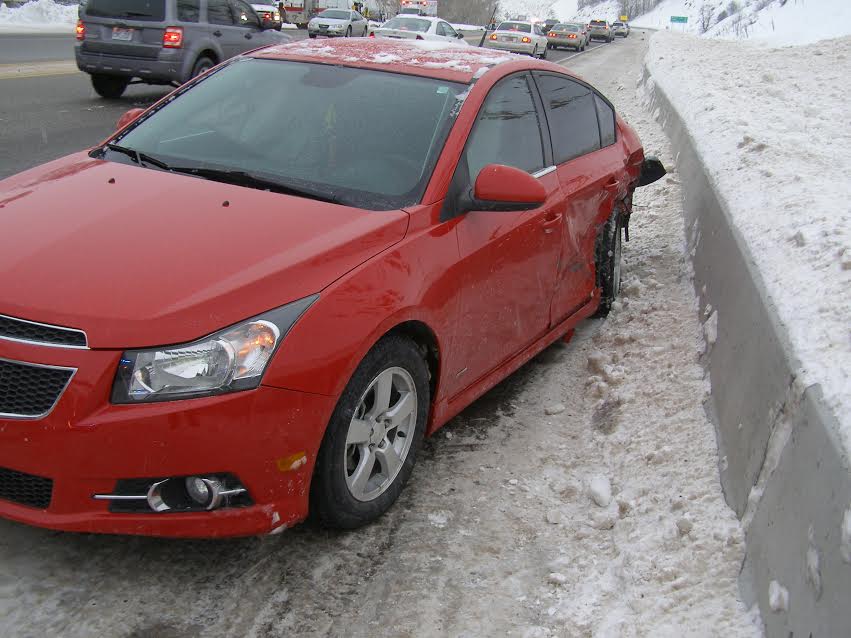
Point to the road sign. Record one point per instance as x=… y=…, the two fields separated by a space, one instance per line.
x=624 y=18
x=679 y=19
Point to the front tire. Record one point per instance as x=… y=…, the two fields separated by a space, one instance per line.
x=609 y=251
x=372 y=440
x=110 y=87
x=349 y=32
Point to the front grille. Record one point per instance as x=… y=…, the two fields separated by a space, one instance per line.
x=28 y=390
x=22 y=330
x=25 y=489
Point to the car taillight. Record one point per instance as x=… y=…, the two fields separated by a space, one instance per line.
x=551 y=34
x=526 y=39
x=372 y=34
x=493 y=37
x=173 y=37
x=81 y=30
x=573 y=36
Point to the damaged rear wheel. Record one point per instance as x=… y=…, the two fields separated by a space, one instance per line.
x=609 y=250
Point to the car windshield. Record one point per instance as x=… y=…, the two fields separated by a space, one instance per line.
x=335 y=14
x=515 y=26
x=146 y=10
x=358 y=137
x=407 y=24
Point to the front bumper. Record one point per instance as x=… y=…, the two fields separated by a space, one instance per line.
x=86 y=445
x=326 y=32
x=513 y=47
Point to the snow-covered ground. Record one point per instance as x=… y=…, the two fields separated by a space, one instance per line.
x=44 y=16
x=781 y=162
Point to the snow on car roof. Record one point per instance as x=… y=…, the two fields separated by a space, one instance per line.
x=445 y=60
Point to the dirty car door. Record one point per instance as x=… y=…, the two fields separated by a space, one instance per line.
x=508 y=259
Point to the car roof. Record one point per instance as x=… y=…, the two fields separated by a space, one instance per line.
x=441 y=60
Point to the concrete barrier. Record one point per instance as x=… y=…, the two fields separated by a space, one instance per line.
x=783 y=468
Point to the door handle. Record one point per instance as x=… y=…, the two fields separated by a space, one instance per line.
x=550 y=225
x=247 y=36
x=217 y=33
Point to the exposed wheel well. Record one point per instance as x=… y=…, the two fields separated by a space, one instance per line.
x=423 y=336
x=208 y=53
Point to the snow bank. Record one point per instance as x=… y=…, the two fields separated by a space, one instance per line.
x=781 y=164
x=38 y=16
x=468 y=27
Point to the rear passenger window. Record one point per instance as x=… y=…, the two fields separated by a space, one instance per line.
x=606 y=115
x=188 y=10
x=218 y=12
x=572 y=116
x=507 y=130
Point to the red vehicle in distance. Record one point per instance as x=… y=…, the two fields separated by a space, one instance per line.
x=241 y=307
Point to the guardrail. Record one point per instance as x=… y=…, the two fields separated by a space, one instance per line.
x=783 y=468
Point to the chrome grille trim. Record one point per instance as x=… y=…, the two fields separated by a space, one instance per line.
x=48 y=344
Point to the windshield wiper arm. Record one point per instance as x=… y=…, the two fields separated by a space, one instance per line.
x=241 y=178
x=138 y=156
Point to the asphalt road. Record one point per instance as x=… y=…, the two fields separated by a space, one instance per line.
x=50 y=110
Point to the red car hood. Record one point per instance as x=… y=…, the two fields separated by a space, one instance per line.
x=140 y=257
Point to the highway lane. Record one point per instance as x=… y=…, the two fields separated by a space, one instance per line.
x=48 y=109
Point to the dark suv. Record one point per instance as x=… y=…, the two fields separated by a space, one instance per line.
x=163 y=41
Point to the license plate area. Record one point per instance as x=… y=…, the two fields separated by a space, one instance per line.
x=507 y=38
x=125 y=35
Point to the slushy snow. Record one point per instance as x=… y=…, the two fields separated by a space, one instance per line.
x=38 y=16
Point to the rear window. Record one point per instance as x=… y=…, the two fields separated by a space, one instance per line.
x=407 y=24
x=515 y=26
x=617 y=24
x=566 y=27
x=145 y=10
x=598 y=23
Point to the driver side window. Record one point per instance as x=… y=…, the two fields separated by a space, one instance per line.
x=507 y=130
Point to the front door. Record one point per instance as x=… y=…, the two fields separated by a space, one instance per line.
x=509 y=261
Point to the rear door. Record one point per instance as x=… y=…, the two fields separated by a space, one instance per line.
x=508 y=261
x=446 y=32
x=591 y=171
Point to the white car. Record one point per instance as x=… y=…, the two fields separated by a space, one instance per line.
x=519 y=37
x=415 y=27
x=338 y=23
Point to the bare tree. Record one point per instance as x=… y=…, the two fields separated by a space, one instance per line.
x=705 y=17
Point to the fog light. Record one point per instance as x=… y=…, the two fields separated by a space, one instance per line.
x=198 y=490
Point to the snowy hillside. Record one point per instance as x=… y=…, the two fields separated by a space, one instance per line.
x=773 y=21
x=560 y=9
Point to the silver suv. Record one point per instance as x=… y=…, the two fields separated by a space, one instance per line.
x=163 y=41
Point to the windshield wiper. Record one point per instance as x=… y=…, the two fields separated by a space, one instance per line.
x=137 y=156
x=241 y=178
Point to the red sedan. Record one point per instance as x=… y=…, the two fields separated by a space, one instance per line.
x=243 y=306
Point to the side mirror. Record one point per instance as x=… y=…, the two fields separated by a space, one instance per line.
x=460 y=36
x=651 y=171
x=502 y=188
x=128 y=117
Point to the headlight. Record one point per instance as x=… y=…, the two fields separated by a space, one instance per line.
x=231 y=360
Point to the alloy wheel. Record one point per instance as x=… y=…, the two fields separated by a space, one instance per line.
x=380 y=433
